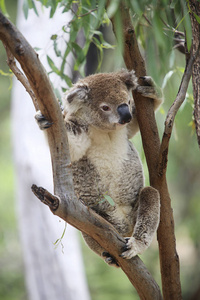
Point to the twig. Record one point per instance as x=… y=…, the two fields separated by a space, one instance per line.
x=148 y=21
x=89 y=12
x=81 y=16
x=173 y=111
x=20 y=76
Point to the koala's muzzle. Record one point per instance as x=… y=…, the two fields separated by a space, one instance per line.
x=124 y=113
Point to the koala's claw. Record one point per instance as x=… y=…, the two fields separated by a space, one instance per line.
x=147 y=81
x=109 y=259
x=132 y=248
x=42 y=122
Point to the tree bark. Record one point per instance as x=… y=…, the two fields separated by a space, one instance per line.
x=169 y=261
x=195 y=10
x=69 y=208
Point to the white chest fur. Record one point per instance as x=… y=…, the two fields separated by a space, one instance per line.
x=107 y=150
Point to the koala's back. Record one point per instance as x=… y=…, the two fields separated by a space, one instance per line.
x=111 y=166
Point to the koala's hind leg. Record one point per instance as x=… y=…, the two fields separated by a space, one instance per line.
x=146 y=224
x=99 y=250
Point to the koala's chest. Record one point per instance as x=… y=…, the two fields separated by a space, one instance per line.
x=108 y=157
x=114 y=170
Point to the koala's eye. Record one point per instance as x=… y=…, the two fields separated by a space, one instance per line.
x=105 y=108
x=129 y=102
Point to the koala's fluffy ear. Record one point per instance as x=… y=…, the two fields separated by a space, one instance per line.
x=79 y=92
x=129 y=78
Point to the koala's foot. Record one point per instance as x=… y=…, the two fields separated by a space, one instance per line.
x=109 y=259
x=132 y=248
x=42 y=122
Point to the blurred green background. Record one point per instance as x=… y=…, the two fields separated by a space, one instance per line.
x=183 y=178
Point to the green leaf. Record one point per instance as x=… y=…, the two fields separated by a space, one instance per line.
x=25 y=8
x=28 y=4
x=109 y=199
x=34 y=7
x=158 y=29
x=52 y=65
x=113 y=8
x=119 y=32
x=167 y=77
x=136 y=7
x=57 y=51
x=54 y=37
x=106 y=45
x=67 y=79
x=3 y=7
x=79 y=52
x=197 y=17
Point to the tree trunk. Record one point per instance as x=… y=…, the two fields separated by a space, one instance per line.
x=49 y=273
x=169 y=260
x=195 y=10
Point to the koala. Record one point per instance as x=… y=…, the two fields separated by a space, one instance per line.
x=100 y=118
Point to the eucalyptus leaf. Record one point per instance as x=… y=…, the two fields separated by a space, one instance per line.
x=167 y=77
x=109 y=199
x=197 y=17
x=52 y=65
x=113 y=8
x=3 y=7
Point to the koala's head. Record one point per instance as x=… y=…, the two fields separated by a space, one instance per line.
x=102 y=100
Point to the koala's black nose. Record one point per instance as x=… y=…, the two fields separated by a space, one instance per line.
x=124 y=113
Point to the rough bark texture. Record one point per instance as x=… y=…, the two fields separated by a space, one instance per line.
x=169 y=260
x=69 y=208
x=195 y=9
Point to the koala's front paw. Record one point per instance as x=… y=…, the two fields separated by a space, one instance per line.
x=42 y=122
x=109 y=259
x=132 y=248
x=149 y=89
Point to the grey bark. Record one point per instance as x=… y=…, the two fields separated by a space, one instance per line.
x=195 y=12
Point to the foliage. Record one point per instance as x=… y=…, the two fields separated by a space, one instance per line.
x=156 y=22
x=159 y=27
x=86 y=20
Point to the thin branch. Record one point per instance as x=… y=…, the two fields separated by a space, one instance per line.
x=81 y=16
x=181 y=94
x=86 y=14
x=148 y=21
x=163 y=156
x=20 y=76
